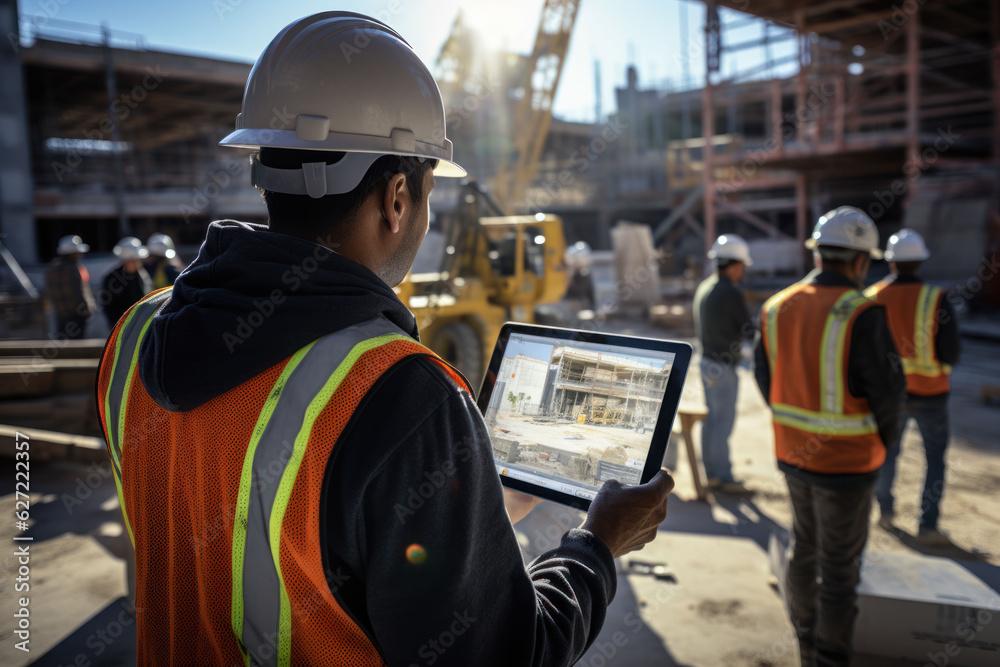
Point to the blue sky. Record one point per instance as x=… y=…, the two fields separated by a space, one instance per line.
x=613 y=32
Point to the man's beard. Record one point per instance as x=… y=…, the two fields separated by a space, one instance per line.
x=399 y=264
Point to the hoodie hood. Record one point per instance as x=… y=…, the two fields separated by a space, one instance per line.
x=251 y=299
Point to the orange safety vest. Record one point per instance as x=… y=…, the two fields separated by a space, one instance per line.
x=913 y=311
x=222 y=502
x=818 y=425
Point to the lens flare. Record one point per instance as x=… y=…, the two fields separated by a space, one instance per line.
x=416 y=554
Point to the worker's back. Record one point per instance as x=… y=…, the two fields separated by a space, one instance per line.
x=223 y=500
x=913 y=309
x=819 y=424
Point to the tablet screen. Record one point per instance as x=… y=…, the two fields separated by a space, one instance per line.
x=570 y=415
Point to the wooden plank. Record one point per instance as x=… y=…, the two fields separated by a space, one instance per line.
x=23 y=377
x=52 y=445
x=88 y=348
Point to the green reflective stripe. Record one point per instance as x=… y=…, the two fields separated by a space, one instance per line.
x=291 y=471
x=824 y=422
x=243 y=499
x=831 y=381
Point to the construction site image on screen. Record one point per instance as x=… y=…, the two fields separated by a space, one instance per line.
x=570 y=415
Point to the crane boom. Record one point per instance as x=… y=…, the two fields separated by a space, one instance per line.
x=533 y=113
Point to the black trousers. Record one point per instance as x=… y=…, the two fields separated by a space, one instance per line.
x=830 y=529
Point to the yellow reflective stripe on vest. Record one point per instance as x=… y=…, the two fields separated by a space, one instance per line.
x=261 y=610
x=923 y=362
x=771 y=323
x=116 y=399
x=824 y=422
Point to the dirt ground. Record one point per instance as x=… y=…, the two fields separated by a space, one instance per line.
x=712 y=606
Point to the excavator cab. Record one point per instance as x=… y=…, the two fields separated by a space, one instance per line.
x=495 y=268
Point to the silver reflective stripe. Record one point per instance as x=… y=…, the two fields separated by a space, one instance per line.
x=129 y=336
x=830 y=356
x=261 y=586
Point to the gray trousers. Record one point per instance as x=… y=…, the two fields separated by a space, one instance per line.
x=830 y=529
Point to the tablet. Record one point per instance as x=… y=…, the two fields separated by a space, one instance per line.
x=567 y=410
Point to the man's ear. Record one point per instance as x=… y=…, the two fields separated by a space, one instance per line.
x=396 y=201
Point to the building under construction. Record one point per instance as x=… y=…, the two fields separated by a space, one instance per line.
x=891 y=109
x=607 y=388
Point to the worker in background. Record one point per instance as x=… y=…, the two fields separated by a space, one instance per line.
x=722 y=322
x=304 y=481
x=67 y=289
x=128 y=282
x=827 y=366
x=163 y=265
x=925 y=329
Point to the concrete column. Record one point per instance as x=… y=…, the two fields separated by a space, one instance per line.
x=17 y=188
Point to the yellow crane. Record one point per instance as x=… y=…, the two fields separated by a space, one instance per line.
x=497 y=267
x=537 y=89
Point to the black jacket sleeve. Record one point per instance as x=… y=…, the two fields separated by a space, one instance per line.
x=761 y=368
x=875 y=372
x=948 y=342
x=444 y=582
x=741 y=315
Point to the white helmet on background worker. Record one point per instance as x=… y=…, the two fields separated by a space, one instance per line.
x=71 y=245
x=340 y=81
x=578 y=256
x=906 y=245
x=130 y=248
x=731 y=246
x=846 y=227
x=161 y=245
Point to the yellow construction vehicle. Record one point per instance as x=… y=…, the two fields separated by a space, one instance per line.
x=606 y=416
x=495 y=268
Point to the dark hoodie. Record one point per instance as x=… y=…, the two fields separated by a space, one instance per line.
x=412 y=472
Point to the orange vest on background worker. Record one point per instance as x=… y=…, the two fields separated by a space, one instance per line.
x=912 y=309
x=818 y=424
x=222 y=502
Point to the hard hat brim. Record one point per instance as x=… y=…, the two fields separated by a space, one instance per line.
x=746 y=262
x=256 y=139
x=890 y=256
x=812 y=244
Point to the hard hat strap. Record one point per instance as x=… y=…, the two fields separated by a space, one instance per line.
x=315 y=179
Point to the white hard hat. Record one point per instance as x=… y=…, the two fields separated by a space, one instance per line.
x=69 y=245
x=906 y=246
x=161 y=245
x=340 y=81
x=130 y=248
x=731 y=246
x=846 y=227
x=578 y=256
